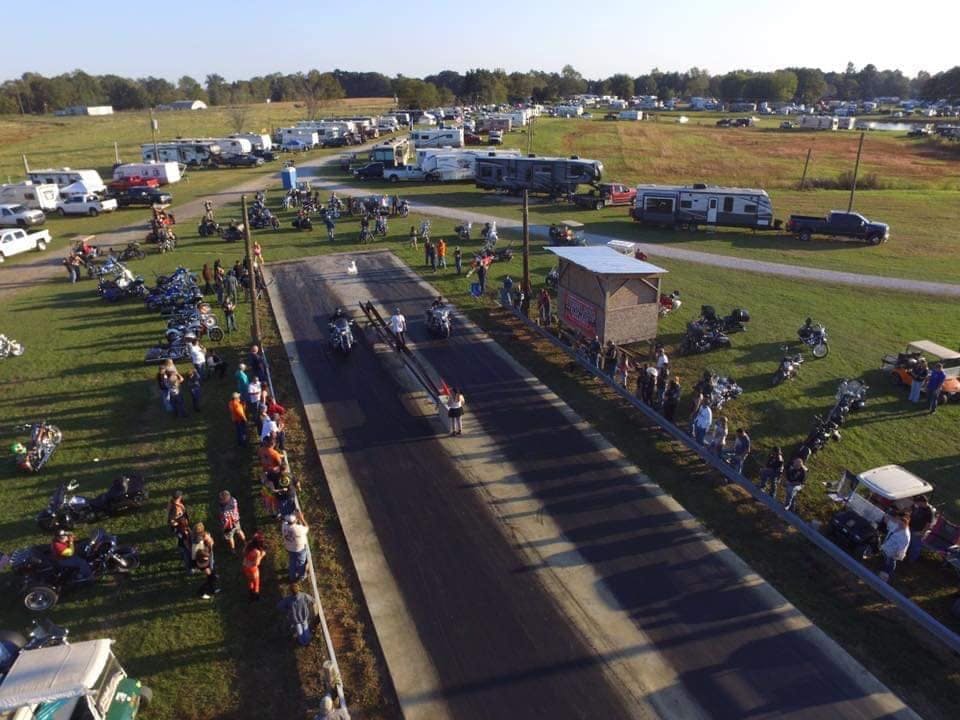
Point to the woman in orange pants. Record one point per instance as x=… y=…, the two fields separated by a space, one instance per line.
x=253 y=555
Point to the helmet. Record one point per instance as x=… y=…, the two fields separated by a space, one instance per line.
x=62 y=534
x=18 y=449
x=808 y=321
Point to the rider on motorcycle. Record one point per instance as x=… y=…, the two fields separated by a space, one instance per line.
x=807 y=330
x=22 y=456
x=64 y=552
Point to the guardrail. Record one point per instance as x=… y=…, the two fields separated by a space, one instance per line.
x=334 y=676
x=913 y=612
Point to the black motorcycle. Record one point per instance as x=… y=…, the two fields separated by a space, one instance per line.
x=44 y=441
x=736 y=321
x=439 y=321
x=208 y=227
x=700 y=339
x=132 y=251
x=814 y=337
x=851 y=396
x=823 y=431
x=717 y=390
x=127 y=492
x=403 y=209
x=232 y=232
x=43 y=579
x=381 y=226
x=302 y=222
x=341 y=333
x=789 y=368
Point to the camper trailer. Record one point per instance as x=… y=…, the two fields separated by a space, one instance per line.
x=394 y=152
x=165 y=172
x=630 y=115
x=234 y=146
x=304 y=135
x=501 y=123
x=453 y=164
x=35 y=197
x=191 y=152
x=259 y=141
x=437 y=137
x=819 y=122
x=61 y=177
x=693 y=205
x=568 y=111
x=550 y=176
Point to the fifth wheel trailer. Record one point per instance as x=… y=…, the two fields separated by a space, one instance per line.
x=693 y=205
x=165 y=172
x=545 y=175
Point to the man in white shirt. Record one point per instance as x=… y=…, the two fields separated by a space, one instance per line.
x=398 y=324
x=662 y=360
x=702 y=422
x=894 y=548
x=198 y=356
x=294 y=531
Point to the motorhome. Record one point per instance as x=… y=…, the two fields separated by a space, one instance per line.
x=437 y=137
x=388 y=123
x=189 y=152
x=61 y=177
x=165 y=172
x=35 y=197
x=819 y=122
x=551 y=176
x=394 y=152
x=453 y=164
x=693 y=205
x=259 y=141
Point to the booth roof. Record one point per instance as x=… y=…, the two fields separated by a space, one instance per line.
x=606 y=261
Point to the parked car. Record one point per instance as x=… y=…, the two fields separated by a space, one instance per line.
x=20 y=216
x=369 y=171
x=920 y=132
x=406 y=172
x=607 y=194
x=13 y=242
x=472 y=139
x=839 y=224
x=335 y=141
x=141 y=196
x=496 y=137
x=267 y=155
x=294 y=145
x=900 y=367
x=241 y=161
x=90 y=205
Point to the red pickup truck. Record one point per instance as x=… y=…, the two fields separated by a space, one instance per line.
x=607 y=194
x=134 y=181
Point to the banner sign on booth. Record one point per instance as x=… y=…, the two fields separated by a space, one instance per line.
x=580 y=314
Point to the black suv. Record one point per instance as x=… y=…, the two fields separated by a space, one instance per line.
x=141 y=196
x=241 y=160
x=336 y=141
x=370 y=171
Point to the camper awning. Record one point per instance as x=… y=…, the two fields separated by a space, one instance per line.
x=54 y=673
x=606 y=261
x=77 y=188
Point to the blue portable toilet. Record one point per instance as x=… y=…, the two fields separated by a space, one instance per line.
x=288 y=177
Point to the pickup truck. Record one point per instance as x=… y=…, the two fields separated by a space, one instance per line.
x=369 y=171
x=17 y=241
x=607 y=194
x=405 y=172
x=141 y=196
x=85 y=205
x=839 y=224
x=20 y=216
x=134 y=181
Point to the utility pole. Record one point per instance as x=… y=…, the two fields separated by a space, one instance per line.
x=526 y=244
x=803 y=180
x=856 y=171
x=116 y=152
x=26 y=165
x=248 y=242
x=153 y=127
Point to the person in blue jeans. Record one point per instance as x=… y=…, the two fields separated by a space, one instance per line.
x=294 y=531
x=298 y=608
x=741 y=449
x=934 y=383
x=919 y=374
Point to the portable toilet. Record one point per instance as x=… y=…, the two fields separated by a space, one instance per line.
x=288 y=177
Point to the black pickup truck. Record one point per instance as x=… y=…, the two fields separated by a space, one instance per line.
x=839 y=224
x=141 y=196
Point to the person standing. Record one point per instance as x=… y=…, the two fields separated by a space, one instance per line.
x=184 y=535
x=671 y=399
x=229 y=314
x=176 y=509
x=294 y=532
x=919 y=374
x=596 y=352
x=458 y=260
x=772 y=471
x=257 y=363
x=442 y=253
x=894 y=548
x=455 y=411
x=741 y=450
x=218 y=276
x=238 y=415
x=610 y=358
x=398 y=325
x=231 y=283
x=201 y=541
x=921 y=518
x=482 y=277
x=198 y=355
x=719 y=440
x=934 y=383
x=543 y=304
x=298 y=609
x=431 y=254
x=796 y=477
x=253 y=555
x=702 y=422
x=241 y=378
x=207 y=274
x=623 y=369
x=203 y=563
x=230 y=520
x=662 y=360
x=193 y=386
x=174 y=390
x=427 y=250
x=413 y=237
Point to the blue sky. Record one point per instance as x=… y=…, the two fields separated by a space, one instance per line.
x=418 y=37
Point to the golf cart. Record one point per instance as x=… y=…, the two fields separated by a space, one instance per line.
x=568 y=232
x=867 y=498
x=82 y=681
x=900 y=366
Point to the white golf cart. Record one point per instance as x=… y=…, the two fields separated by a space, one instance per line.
x=867 y=498
x=83 y=681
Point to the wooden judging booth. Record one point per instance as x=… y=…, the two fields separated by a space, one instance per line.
x=604 y=293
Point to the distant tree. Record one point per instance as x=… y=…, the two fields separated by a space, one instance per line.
x=447 y=79
x=621 y=85
x=811 y=85
x=158 y=90
x=190 y=89
x=317 y=89
x=237 y=116
x=571 y=82
x=415 y=93
x=123 y=93
x=697 y=82
x=646 y=85
x=918 y=84
x=215 y=89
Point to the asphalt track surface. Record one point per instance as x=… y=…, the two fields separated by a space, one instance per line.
x=499 y=642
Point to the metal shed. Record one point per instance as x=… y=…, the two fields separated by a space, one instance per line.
x=605 y=293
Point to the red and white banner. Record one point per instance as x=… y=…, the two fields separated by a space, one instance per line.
x=579 y=313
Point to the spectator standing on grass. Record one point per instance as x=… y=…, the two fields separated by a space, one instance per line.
x=796 y=477
x=174 y=390
x=198 y=355
x=213 y=365
x=253 y=555
x=201 y=540
x=596 y=352
x=230 y=520
x=256 y=362
x=702 y=422
x=413 y=237
x=442 y=253
x=242 y=379
x=458 y=259
x=184 y=535
x=623 y=369
x=268 y=427
x=741 y=449
x=203 y=563
x=271 y=460
x=238 y=415
x=934 y=383
x=398 y=325
x=427 y=249
x=671 y=399
x=641 y=380
x=193 y=386
x=610 y=358
x=772 y=471
x=662 y=360
x=431 y=254
x=294 y=532
x=719 y=441
x=176 y=509
x=207 y=274
x=663 y=378
x=543 y=307
x=895 y=545
x=298 y=609
x=919 y=374
x=229 y=314
x=231 y=284
x=921 y=518
x=482 y=277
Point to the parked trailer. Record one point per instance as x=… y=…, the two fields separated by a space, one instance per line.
x=36 y=197
x=819 y=122
x=495 y=122
x=165 y=172
x=61 y=177
x=191 y=152
x=452 y=164
x=304 y=135
x=688 y=206
x=546 y=175
x=394 y=152
x=258 y=141
x=630 y=115
x=437 y=137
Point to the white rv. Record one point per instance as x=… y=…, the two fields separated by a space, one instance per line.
x=36 y=197
x=568 y=111
x=258 y=141
x=630 y=115
x=234 y=146
x=388 y=123
x=189 y=152
x=304 y=135
x=61 y=177
x=819 y=122
x=452 y=164
x=686 y=206
x=165 y=173
x=437 y=137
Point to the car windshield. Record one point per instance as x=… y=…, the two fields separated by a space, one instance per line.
x=18 y=209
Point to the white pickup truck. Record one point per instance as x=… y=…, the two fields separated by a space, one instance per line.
x=85 y=205
x=18 y=241
x=20 y=216
x=404 y=172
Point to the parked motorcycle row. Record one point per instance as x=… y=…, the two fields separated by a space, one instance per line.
x=851 y=396
x=717 y=390
x=178 y=298
x=709 y=331
x=9 y=347
x=115 y=282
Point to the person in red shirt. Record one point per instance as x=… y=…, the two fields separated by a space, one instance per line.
x=253 y=555
x=66 y=556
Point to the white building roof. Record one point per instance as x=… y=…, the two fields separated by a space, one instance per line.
x=606 y=261
x=54 y=673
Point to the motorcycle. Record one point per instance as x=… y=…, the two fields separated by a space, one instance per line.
x=425 y=230
x=439 y=320
x=208 y=227
x=823 y=431
x=669 y=303
x=233 y=232
x=736 y=321
x=127 y=492
x=463 y=231
x=302 y=222
x=814 y=337
x=365 y=235
x=341 y=332
x=560 y=235
x=851 y=395
x=552 y=279
x=403 y=209
x=44 y=440
x=489 y=234
x=43 y=633
x=381 y=226
x=789 y=368
x=132 y=251
x=43 y=579
x=10 y=347
x=700 y=339
x=717 y=390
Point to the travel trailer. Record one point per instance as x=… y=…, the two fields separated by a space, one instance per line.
x=546 y=175
x=258 y=141
x=36 y=197
x=819 y=122
x=452 y=164
x=61 y=177
x=687 y=206
x=189 y=152
x=437 y=137
x=165 y=172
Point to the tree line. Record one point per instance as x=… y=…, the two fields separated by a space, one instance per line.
x=35 y=93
